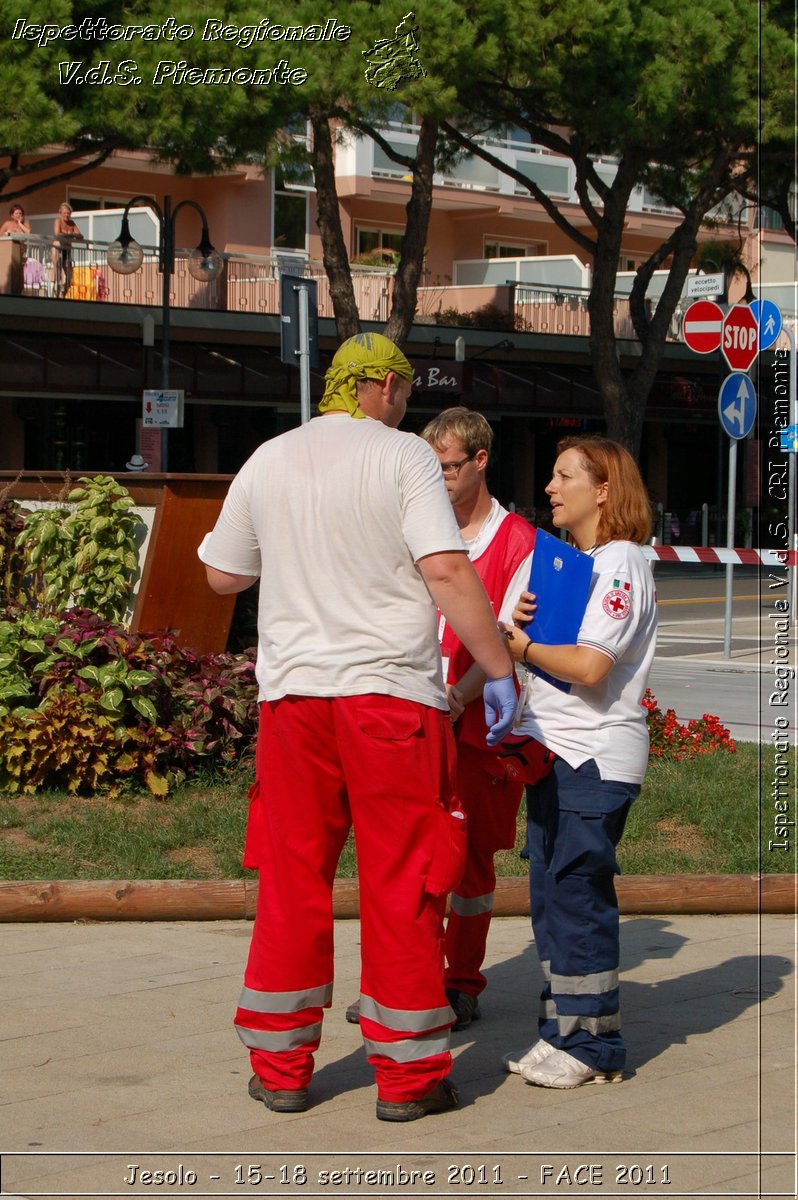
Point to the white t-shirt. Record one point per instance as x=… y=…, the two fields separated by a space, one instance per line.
x=333 y=517
x=478 y=544
x=606 y=722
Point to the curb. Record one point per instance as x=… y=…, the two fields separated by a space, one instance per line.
x=236 y=899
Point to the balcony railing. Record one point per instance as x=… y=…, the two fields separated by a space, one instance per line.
x=249 y=283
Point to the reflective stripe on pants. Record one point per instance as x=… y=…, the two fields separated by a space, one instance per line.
x=575 y=821
x=491 y=805
x=385 y=765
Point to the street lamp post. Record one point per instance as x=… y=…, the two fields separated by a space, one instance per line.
x=125 y=256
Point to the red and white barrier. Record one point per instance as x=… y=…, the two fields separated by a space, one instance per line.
x=738 y=556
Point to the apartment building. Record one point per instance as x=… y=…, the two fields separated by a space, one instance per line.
x=73 y=367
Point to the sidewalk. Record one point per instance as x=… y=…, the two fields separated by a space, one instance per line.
x=118 y=1047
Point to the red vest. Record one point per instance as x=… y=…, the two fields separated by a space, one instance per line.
x=509 y=546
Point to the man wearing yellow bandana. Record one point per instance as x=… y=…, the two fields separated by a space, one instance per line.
x=365 y=357
x=348 y=525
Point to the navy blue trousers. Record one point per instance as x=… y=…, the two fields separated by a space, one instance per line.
x=575 y=821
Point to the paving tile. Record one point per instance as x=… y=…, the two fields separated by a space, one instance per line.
x=142 y=1053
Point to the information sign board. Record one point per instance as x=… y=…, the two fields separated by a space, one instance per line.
x=162 y=409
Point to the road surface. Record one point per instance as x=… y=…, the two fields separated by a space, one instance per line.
x=755 y=687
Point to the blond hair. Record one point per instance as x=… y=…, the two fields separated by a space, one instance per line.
x=461 y=424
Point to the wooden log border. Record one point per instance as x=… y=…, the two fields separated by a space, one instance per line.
x=235 y=899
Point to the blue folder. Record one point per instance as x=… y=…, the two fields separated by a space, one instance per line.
x=560 y=580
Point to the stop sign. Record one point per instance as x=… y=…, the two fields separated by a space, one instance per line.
x=701 y=328
x=740 y=337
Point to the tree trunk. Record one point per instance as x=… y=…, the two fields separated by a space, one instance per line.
x=334 y=254
x=682 y=245
x=624 y=423
x=419 y=206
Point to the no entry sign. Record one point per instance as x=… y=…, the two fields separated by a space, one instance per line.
x=701 y=328
x=740 y=340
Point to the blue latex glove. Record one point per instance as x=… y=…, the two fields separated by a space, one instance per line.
x=499 y=696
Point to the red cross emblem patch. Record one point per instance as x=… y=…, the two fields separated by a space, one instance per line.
x=617 y=604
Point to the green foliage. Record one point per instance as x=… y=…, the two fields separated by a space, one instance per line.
x=22 y=637
x=12 y=563
x=637 y=94
x=696 y=818
x=85 y=122
x=67 y=740
x=88 y=706
x=86 y=554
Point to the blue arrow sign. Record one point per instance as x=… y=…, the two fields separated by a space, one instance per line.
x=737 y=405
x=768 y=318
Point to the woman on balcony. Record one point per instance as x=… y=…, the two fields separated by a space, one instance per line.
x=15 y=222
x=66 y=232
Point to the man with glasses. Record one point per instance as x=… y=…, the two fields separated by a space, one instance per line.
x=497 y=541
x=346 y=522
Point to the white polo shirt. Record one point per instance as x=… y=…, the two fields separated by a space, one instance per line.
x=606 y=722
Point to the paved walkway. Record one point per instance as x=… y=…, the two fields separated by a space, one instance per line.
x=118 y=1049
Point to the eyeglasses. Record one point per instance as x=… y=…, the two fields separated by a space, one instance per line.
x=454 y=468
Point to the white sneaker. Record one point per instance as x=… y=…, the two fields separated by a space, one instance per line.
x=516 y=1060
x=561 y=1070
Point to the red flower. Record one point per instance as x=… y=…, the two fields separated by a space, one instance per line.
x=670 y=739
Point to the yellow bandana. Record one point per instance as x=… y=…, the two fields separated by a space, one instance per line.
x=364 y=356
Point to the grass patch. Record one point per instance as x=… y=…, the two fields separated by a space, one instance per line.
x=697 y=817
x=195 y=833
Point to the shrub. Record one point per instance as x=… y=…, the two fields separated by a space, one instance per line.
x=87 y=705
x=85 y=553
x=489 y=316
x=671 y=740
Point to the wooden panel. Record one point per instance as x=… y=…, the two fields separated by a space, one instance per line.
x=174 y=592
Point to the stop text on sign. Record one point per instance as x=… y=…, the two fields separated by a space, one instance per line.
x=740 y=337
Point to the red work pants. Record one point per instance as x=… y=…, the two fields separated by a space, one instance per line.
x=491 y=802
x=385 y=766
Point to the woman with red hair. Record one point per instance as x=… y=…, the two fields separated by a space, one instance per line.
x=15 y=223
x=592 y=721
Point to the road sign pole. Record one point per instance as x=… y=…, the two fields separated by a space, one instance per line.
x=299 y=332
x=304 y=354
x=730 y=515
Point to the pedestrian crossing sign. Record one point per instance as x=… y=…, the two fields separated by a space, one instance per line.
x=789 y=439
